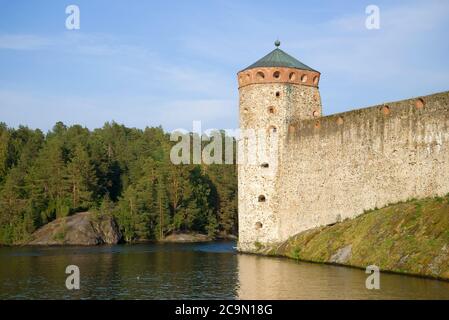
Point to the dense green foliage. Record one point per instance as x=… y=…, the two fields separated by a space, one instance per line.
x=115 y=170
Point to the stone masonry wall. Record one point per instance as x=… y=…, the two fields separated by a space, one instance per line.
x=267 y=109
x=337 y=166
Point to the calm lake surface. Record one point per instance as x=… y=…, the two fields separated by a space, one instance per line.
x=190 y=271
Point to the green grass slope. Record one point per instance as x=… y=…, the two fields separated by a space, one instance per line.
x=410 y=237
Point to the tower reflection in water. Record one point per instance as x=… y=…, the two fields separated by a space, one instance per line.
x=279 y=278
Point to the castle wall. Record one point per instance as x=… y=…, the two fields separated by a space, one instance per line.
x=337 y=166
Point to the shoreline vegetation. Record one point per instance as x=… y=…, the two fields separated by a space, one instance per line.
x=409 y=237
x=114 y=171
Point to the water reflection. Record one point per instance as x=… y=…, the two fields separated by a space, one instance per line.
x=190 y=271
x=150 y=271
x=278 y=278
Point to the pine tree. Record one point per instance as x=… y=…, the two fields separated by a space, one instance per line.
x=163 y=207
x=82 y=179
x=13 y=204
x=4 y=143
x=48 y=182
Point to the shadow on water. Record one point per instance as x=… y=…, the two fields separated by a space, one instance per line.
x=190 y=271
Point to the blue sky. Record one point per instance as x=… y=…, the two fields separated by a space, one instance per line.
x=148 y=63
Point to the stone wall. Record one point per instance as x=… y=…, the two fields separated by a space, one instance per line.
x=335 y=167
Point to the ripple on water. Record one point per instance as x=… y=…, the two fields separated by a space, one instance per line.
x=190 y=271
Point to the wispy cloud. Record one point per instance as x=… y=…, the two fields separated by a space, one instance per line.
x=22 y=107
x=23 y=42
x=119 y=58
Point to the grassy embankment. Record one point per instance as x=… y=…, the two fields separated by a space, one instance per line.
x=409 y=237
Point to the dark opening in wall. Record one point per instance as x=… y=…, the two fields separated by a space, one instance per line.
x=386 y=110
x=272 y=129
x=261 y=198
x=278 y=94
x=264 y=165
x=271 y=110
x=276 y=74
x=419 y=103
x=304 y=78
x=260 y=75
x=292 y=76
x=258 y=225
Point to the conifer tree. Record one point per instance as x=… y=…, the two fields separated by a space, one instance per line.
x=81 y=178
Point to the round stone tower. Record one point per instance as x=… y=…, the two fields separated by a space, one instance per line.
x=274 y=91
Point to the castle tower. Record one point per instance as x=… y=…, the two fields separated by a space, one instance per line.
x=273 y=92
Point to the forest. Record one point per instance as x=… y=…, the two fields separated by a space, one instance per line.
x=113 y=170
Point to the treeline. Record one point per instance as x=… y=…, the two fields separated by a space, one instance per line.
x=124 y=172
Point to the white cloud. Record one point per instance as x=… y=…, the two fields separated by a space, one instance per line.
x=127 y=60
x=23 y=42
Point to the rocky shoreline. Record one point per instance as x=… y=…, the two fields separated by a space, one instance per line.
x=84 y=228
x=89 y=229
x=187 y=237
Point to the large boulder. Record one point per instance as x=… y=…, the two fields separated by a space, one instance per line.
x=83 y=228
x=187 y=237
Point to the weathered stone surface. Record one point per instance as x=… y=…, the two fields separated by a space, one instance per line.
x=79 y=229
x=262 y=108
x=342 y=255
x=370 y=160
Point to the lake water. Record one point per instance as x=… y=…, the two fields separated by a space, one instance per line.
x=190 y=271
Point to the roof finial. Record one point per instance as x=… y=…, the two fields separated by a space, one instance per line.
x=277 y=43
